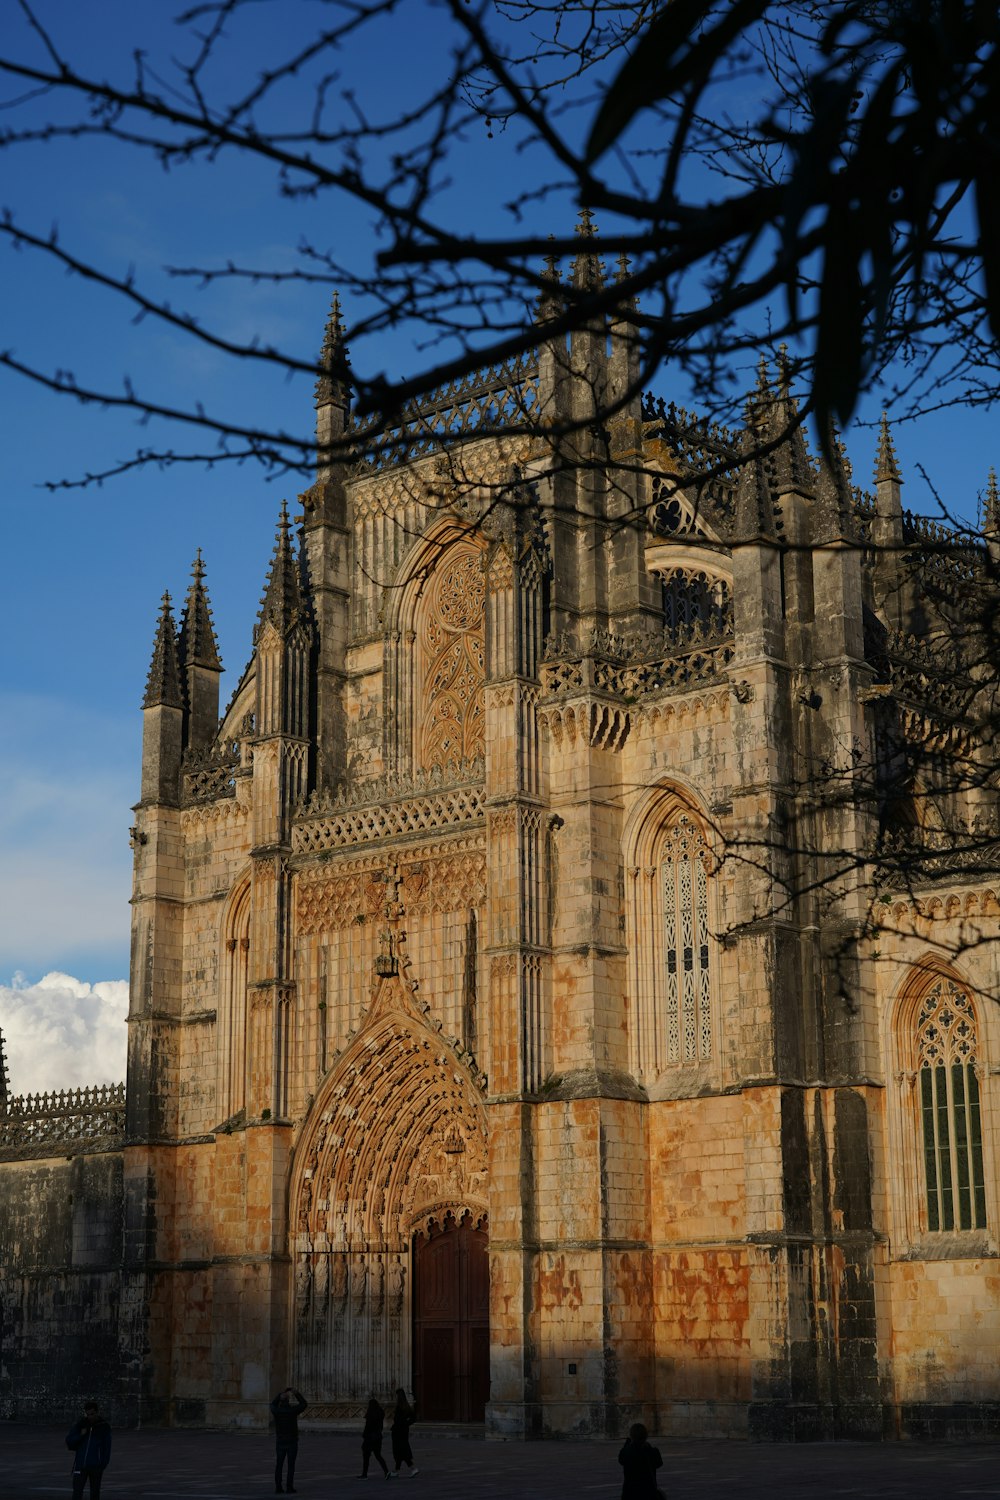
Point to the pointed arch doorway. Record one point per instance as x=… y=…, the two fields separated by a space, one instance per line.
x=451 y=1319
x=396 y=1138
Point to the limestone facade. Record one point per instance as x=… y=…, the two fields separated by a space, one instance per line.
x=524 y=1008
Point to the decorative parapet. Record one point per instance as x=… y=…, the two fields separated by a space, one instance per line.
x=392 y=806
x=209 y=775
x=630 y=666
x=929 y=673
x=865 y=512
x=950 y=554
x=63 y=1123
x=706 y=454
x=484 y=403
x=694 y=437
x=912 y=858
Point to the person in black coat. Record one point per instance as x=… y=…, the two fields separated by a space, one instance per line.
x=403 y=1417
x=286 y=1409
x=371 y=1439
x=90 y=1440
x=640 y=1460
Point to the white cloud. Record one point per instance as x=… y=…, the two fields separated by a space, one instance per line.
x=65 y=866
x=63 y=1033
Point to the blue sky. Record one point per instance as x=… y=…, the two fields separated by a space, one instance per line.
x=85 y=568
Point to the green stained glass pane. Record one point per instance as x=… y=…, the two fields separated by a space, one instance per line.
x=961 y=1123
x=940 y=1087
x=976 y=1152
x=930 y=1158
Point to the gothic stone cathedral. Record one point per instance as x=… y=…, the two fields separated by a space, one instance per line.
x=528 y=1004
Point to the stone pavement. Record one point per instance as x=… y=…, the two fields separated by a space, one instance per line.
x=182 y=1465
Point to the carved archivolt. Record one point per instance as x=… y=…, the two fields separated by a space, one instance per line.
x=397 y=1133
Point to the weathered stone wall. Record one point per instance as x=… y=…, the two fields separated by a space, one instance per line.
x=60 y=1272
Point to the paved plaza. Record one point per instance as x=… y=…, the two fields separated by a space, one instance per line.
x=184 y=1465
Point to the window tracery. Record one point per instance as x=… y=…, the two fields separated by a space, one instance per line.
x=949 y=1106
x=453 y=645
x=696 y=598
x=686 y=944
x=672 y=962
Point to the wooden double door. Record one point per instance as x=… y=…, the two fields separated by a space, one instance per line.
x=451 y=1321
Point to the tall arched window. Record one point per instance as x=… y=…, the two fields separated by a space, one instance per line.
x=672 y=959
x=951 y=1124
x=232 y=1013
x=684 y=878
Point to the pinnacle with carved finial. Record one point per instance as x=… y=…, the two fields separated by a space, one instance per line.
x=834 y=498
x=588 y=272
x=886 y=465
x=549 y=298
x=333 y=387
x=163 y=685
x=282 y=603
x=196 y=640
x=991 y=504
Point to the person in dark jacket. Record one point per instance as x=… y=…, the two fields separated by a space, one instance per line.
x=403 y=1417
x=286 y=1409
x=640 y=1460
x=90 y=1440
x=371 y=1439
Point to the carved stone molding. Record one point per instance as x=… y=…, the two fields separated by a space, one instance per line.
x=210 y=814
x=603 y=726
x=441 y=878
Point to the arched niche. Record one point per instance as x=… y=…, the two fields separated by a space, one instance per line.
x=231 y=1008
x=434 y=621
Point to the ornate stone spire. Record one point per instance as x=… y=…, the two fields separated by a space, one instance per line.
x=282 y=603
x=763 y=392
x=791 y=464
x=549 y=293
x=4 y=1077
x=588 y=271
x=991 y=504
x=753 y=519
x=163 y=685
x=886 y=466
x=627 y=304
x=834 y=500
x=333 y=387
x=196 y=640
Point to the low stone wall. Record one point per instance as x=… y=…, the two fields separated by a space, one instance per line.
x=61 y=1235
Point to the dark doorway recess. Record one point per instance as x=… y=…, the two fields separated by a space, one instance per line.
x=451 y=1319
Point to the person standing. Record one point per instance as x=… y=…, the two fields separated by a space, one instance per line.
x=286 y=1409
x=90 y=1440
x=371 y=1439
x=403 y=1417
x=640 y=1460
